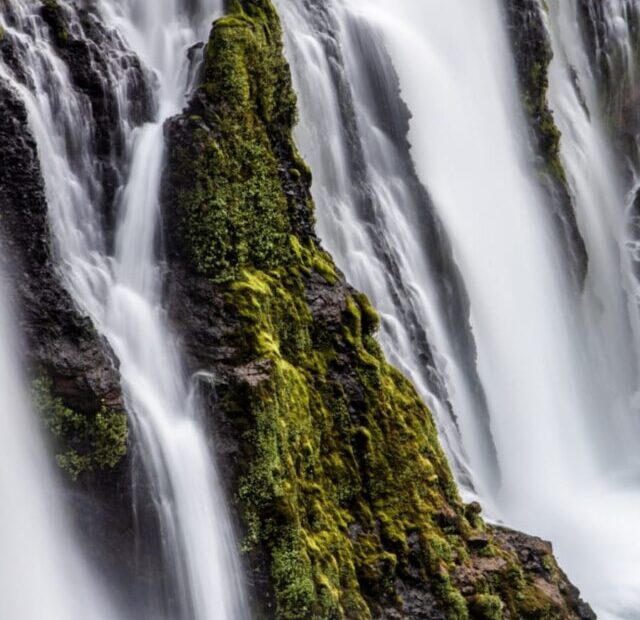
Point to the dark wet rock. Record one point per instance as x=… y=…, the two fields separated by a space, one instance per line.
x=418 y=603
x=60 y=341
x=536 y=556
x=478 y=541
x=101 y=67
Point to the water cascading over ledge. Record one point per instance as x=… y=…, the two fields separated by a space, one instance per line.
x=379 y=223
x=554 y=341
x=95 y=108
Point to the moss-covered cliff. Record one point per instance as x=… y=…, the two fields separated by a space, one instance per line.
x=348 y=506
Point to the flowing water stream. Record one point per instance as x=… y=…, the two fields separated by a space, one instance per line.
x=120 y=289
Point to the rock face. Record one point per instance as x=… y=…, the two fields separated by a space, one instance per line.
x=60 y=342
x=532 y=53
x=90 y=51
x=333 y=465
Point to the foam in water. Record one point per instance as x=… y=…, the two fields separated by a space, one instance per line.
x=121 y=292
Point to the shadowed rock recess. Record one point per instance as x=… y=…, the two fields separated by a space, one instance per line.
x=347 y=505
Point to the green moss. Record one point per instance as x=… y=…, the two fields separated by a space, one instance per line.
x=234 y=213
x=487 y=607
x=535 y=87
x=82 y=443
x=533 y=54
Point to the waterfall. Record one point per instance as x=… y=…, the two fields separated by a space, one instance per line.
x=43 y=572
x=429 y=199
x=121 y=289
x=352 y=133
x=609 y=307
x=558 y=367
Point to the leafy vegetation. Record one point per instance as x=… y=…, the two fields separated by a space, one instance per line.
x=82 y=444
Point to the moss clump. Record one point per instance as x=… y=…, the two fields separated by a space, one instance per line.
x=82 y=443
x=234 y=213
x=487 y=607
x=533 y=55
x=52 y=15
x=535 y=86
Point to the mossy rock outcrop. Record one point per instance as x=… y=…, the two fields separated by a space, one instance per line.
x=349 y=508
x=83 y=443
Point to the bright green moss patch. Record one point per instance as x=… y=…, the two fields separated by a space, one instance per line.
x=487 y=607
x=342 y=475
x=82 y=443
x=234 y=213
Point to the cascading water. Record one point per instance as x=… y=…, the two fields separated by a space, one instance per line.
x=558 y=368
x=121 y=292
x=352 y=133
x=609 y=307
x=43 y=572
